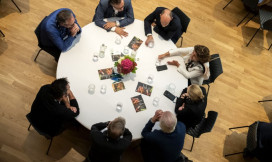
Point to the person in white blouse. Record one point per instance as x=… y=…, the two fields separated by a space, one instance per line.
x=195 y=64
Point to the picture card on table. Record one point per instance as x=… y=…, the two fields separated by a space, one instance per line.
x=105 y=73
x=144 y=88
x=135 y=43
x=138 y=103
x=117 y=86
x=115 y=57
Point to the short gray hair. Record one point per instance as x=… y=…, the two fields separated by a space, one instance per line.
x=168 y=122
x=116 y=127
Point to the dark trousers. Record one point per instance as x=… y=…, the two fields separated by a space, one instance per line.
x=52 y=50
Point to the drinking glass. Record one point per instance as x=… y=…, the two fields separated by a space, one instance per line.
x=118 y=40
x=102 y=51
x=91 y=89
x=133 y=54
x=156 y=101
x=103 y=89
x=95 y=56
x=119 y=107
x=126 y=50
x=158 y=62
x=151 y=44
x=150 y=78
x=172 y=87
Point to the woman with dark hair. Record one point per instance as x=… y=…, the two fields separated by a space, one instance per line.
x=195 y=64
x=191 y=105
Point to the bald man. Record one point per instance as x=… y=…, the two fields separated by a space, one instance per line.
x=165 y=23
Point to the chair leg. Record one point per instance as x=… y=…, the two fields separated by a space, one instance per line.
x=270 y=46
x=192 y=144
x=251 y=18
x=234 y=154
x=29 y=127
x=238 y=127
x=243 y=19
x=227 y=4
x=181 y=39
x=49 y=146
x=16 y=5
x=253 y=36
x=265 y=100
x=2 y=33
x=37 y=55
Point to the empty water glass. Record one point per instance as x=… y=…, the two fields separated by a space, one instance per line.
x=102 y=51
x=150 y=78
x=126 y=50
x=151 y=44
x=118 y=40
x=156 y=101
x=91 y=89
x=103 y=89
x=95 y=57
x=158 y=62
x=172 y=87
x=133 y=54
x=119 y=107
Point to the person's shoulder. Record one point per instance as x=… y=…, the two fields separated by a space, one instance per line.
x=127 y=2
x=104 y=3
x=160 y=9
x=181 y=126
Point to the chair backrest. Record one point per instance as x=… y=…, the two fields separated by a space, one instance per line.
x=251 y=5
x=252 y=136
x=216 y=68
x=266 y=18
x=38 y=31
x=184 y=19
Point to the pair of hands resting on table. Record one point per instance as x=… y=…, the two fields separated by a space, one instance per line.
x=119 y=30
x=66 y=99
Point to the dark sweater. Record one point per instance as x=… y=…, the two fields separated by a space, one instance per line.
x=193 y=112
x=47 y=114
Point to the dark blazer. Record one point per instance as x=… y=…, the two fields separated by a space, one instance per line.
x=171 y=31
x=264 y=138
x=105 y=10
x=105 y=149
x=193 y=112
x=157 y=146
x=49 y=115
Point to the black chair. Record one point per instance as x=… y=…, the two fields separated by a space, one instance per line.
x=204 y=126
x=227 y=4
x=43 y=133
x=216 y=69
x=184 y=20
x=264 y=101
x=265 y=14
x=251 y=138
x=2 y=33
x=252 y=7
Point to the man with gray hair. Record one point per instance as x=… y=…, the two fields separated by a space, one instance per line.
x=165 y=23
x=109 y=140
x=163 y=145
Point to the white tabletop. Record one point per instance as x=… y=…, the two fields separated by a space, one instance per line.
x=77 y=65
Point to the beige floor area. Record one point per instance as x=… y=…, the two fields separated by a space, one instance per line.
x=247 y=78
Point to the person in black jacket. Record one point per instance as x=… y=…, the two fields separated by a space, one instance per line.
x=165 y=23
x=190 y=107
x=54 y=106
x=109 y=140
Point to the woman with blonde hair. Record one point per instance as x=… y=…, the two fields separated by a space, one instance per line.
x=190 y=107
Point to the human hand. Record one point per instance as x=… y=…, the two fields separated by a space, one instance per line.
x=181 y=107
x=184 y=95
x=121 y=32
x=73 y=109
x=109 y=25
x=149 y=39
x=174 y=62
x=157 y=116
x=153 y=24
x=74 y=30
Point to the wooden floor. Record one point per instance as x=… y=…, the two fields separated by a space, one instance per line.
x=247 y=77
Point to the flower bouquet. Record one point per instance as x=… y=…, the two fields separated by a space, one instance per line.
x=126 y=65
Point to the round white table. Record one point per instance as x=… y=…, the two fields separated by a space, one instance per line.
x=77 y=65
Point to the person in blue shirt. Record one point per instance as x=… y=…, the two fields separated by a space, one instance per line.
x=163 y=145
x=121 y=9
x=58 y=31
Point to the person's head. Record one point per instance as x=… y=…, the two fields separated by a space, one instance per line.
x=59 y=88
x=116 y=127
x=117 y=4
x=166 y=16
x=66 y=18
x=201 y=53
x=195 y=93
x=168 y=122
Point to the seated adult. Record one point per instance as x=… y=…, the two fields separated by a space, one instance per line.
x=165 y=23
x=58 y=31
x=121 y=9
x=109 y=140
x=54 y=107
x=195 y=64
x=163 y=145
x=190 y=106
